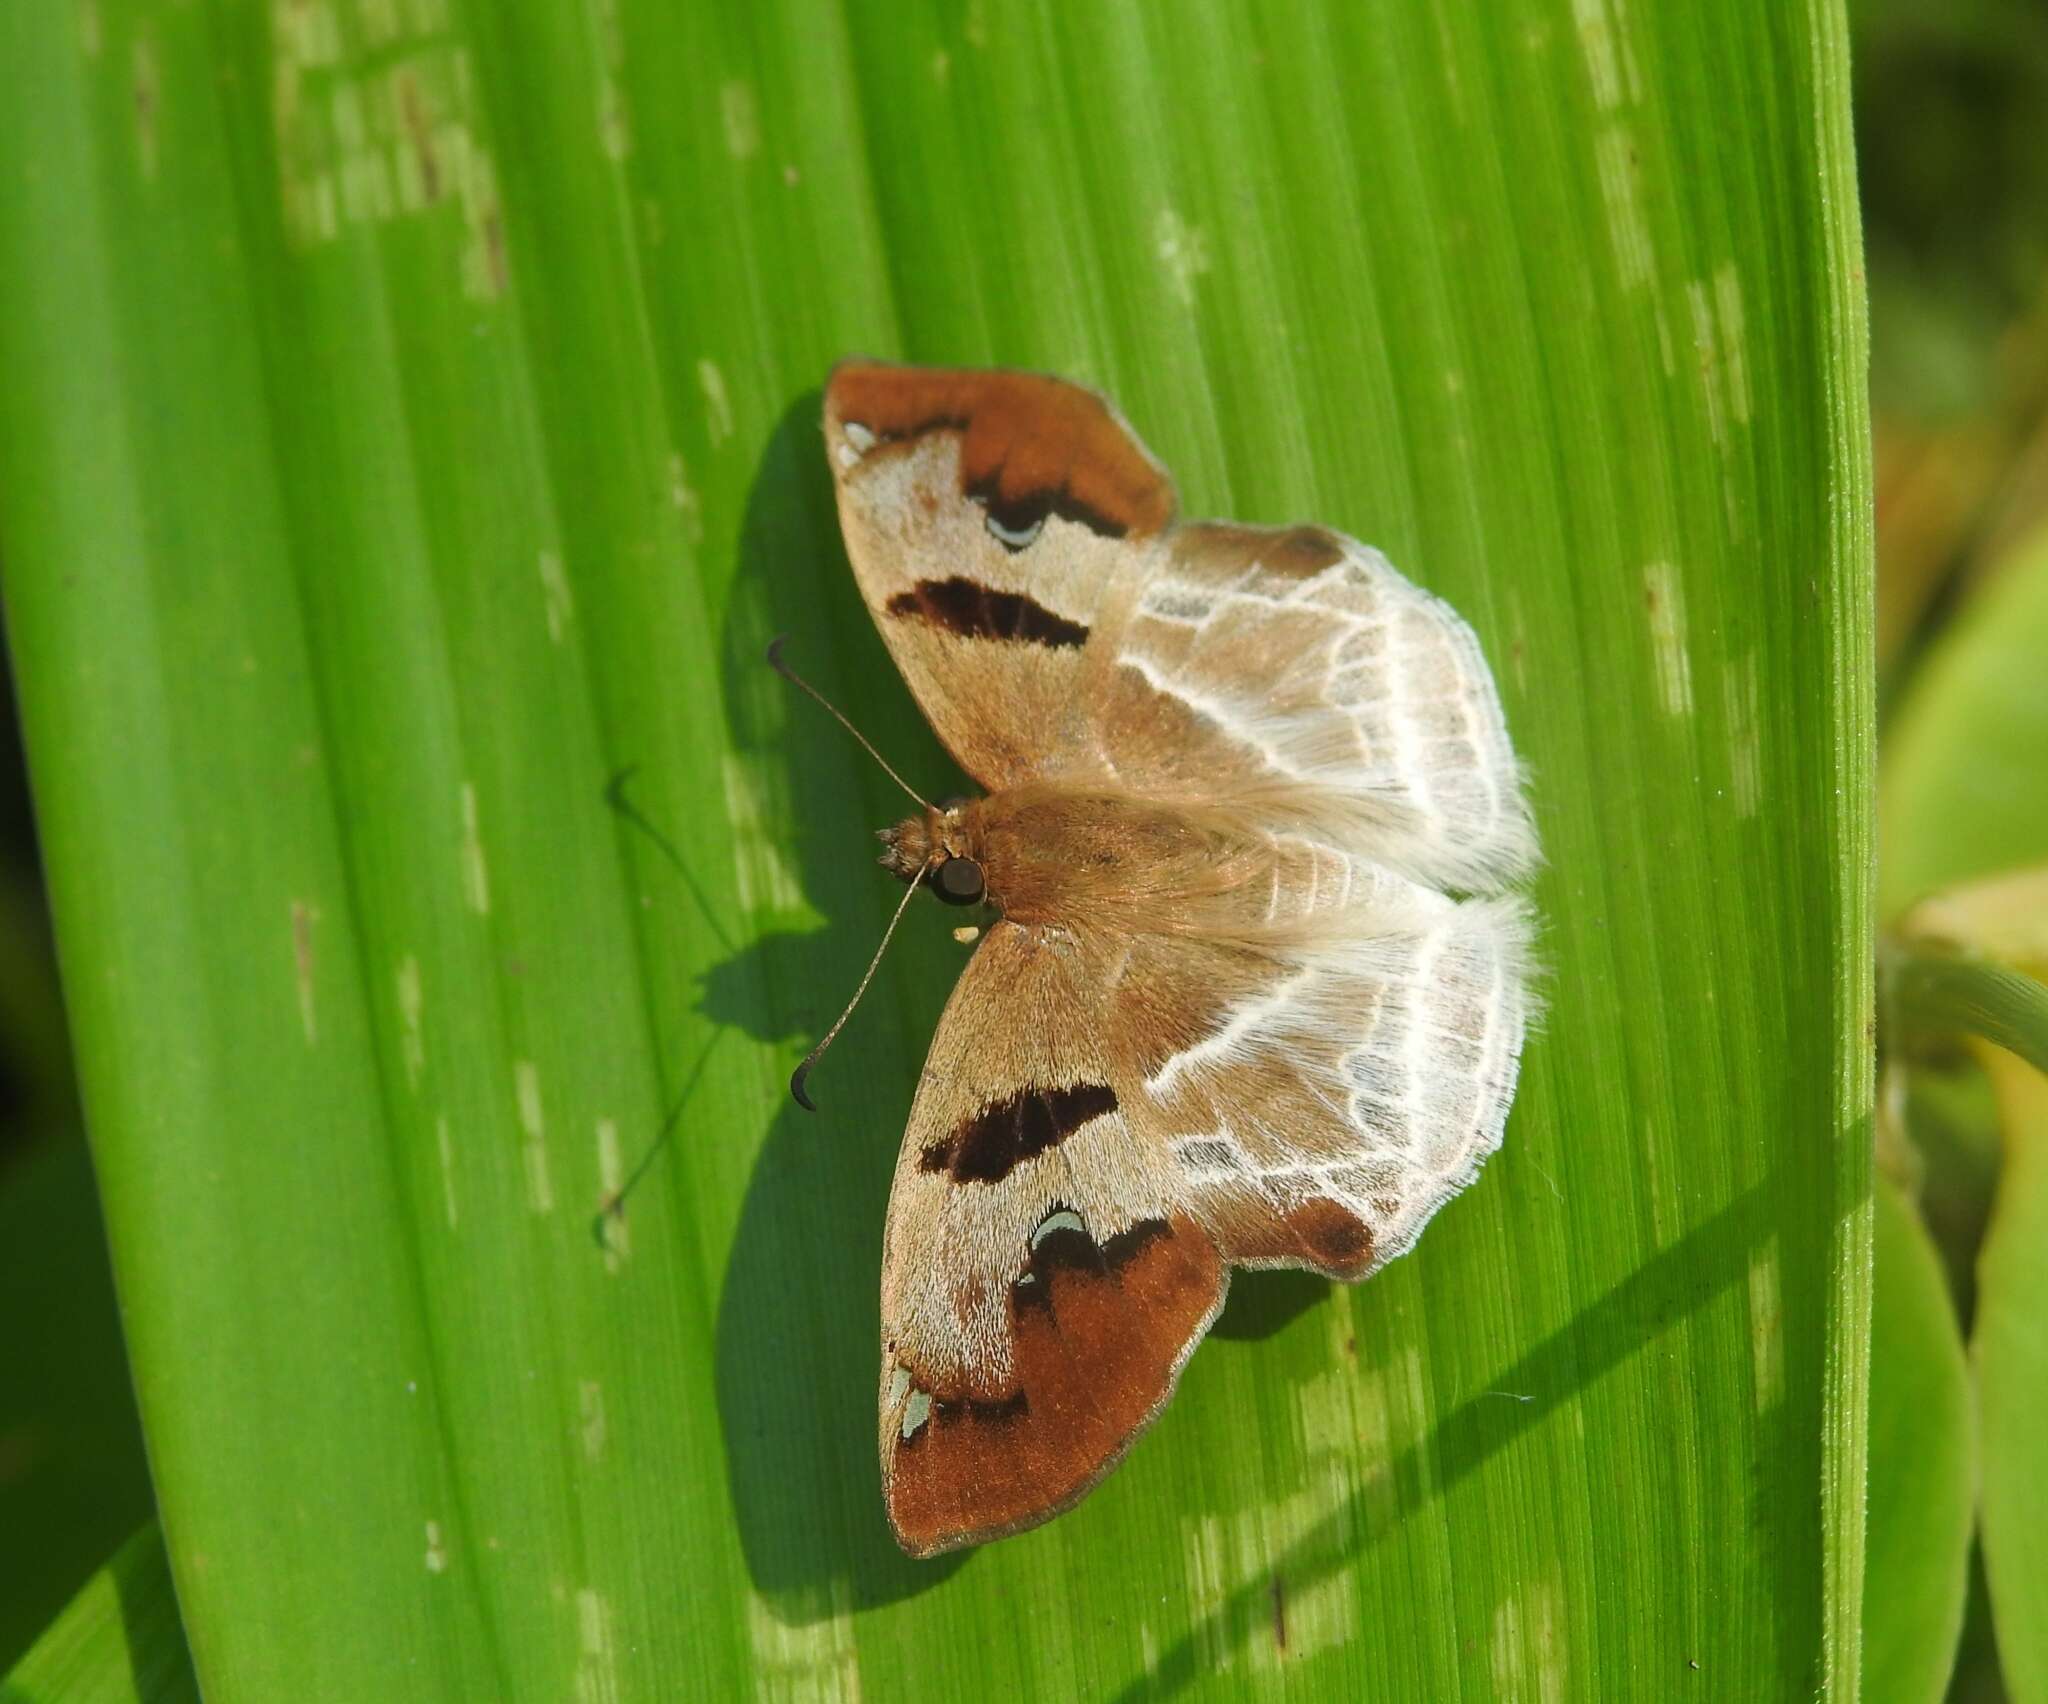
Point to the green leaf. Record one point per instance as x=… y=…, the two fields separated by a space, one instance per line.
x=117 y=1642
x=1965 y=808
x=408 y=445
x=1923 y=1490
x=2011 y=1356
x=1963 y=794
x=1966 y=795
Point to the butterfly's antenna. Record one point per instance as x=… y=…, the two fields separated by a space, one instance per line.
x=796 y=1077
x=789 y=674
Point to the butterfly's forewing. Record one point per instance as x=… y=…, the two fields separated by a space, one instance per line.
x=992 y=518
x=1043 y=1282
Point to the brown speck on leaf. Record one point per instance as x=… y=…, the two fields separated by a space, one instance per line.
x=304 y=917
x=1279 y=1615
x=147 y=93
x=494 y=251
x=412 y=113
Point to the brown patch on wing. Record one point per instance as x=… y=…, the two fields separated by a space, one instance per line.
x=1323 y=1235
x=995 y=1141
x=1096 y=1355
x=1031 y=445
x=1334 y=1237
x=974 y=611
x=1222 y=550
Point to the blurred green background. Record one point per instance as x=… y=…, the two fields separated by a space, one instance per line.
x=1952 y=125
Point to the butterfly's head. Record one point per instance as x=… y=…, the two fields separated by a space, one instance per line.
x=942 y=848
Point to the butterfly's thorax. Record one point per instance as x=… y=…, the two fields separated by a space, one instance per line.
x=1076 y=856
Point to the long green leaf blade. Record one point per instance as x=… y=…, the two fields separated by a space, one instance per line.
x=407 y=446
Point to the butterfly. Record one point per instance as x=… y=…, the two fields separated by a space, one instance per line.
x=1253 y=984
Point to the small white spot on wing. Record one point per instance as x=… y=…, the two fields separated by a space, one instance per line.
x=1064 y=1220
x=916 y=1412
x=1013 y=538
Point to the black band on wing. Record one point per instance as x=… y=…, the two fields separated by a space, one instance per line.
x=999 y=1138
x=975 y=611
x=1027 y=510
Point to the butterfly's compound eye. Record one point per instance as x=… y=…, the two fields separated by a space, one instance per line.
x=958 y=881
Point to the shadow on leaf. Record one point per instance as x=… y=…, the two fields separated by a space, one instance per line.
x=798 y=1322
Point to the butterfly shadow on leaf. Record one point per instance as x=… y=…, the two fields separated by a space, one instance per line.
x=798 y=1320
x=1263 y=1303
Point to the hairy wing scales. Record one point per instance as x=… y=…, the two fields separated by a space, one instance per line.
x=1372 y=1070
x=1326 y=676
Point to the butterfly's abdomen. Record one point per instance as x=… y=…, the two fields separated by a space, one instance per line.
x=1052 y=855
